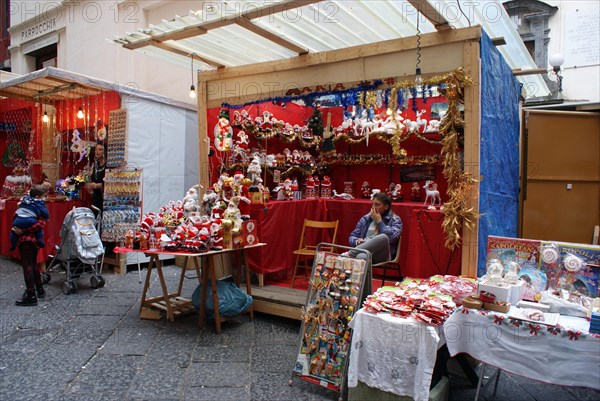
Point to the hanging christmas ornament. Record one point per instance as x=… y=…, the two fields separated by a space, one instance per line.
x=100 y=131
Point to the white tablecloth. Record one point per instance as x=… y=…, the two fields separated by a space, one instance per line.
x=393 y=354
x=567 y=355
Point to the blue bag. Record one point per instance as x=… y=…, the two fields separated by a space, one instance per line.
x=232 y=300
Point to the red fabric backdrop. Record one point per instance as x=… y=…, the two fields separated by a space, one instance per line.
x=21 y=113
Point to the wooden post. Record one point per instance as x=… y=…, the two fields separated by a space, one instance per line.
x=203 y=141
x=471 y=154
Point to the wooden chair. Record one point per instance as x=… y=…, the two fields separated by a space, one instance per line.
x=307 y=248
x=393 y=264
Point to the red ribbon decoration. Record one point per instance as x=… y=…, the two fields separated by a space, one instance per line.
x=498 y=319
x=465 y=311
x=534 y=329
x=574 y=335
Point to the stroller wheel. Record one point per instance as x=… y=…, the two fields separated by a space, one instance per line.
x=101 y=281
x=46 y=277
x=69 y=288
x=94 y=282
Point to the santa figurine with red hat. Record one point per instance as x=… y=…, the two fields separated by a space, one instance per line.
x=326 y=187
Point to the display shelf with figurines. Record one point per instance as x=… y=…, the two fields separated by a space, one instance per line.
x=301 y=140
x=122 y=203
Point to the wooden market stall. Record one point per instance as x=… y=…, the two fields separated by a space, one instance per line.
x=491 y=101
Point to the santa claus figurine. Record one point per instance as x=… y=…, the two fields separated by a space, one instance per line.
x=365 y=189
x=415 y=192
x=288 y=193
x=326 y=187
x=317 y=185
x=310 y=188
x=397 y=193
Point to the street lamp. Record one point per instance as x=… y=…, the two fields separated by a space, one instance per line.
x=555 y=61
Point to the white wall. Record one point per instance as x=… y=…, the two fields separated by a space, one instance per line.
x=84 y=27
x=576 y=26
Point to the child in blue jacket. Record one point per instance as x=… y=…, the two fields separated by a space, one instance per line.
x=31 y=209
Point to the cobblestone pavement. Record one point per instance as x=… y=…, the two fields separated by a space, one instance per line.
x=92 y=345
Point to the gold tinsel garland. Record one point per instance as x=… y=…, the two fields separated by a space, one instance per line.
x=460 y=184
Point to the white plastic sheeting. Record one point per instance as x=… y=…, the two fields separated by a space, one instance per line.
x=323 y=26
x=162 y=140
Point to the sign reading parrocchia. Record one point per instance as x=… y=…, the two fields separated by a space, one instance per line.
x=40 y=29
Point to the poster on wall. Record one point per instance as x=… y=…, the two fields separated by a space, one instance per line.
x=334 y=295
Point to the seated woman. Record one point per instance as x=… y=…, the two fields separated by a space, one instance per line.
x=378 y=231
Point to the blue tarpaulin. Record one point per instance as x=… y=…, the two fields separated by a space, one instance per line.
x=499 y=149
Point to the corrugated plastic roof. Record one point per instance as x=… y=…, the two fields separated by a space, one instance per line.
x=228 y=34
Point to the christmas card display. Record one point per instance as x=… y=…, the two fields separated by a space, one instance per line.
x=122 y=203
x=334 y=295
x=117 y=138
x=548 y=264
x=574 y=267
x=526 y=254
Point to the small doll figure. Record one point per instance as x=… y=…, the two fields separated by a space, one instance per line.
x=310 y=188
x=390 y=189
x=288 y=193
x=397 y=193
x=317 y=185
x=415 y=192
x=326 y=187
x=366 y=190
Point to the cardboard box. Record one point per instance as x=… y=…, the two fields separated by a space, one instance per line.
x=256 y=198
x=247 y=236
x=510 y=293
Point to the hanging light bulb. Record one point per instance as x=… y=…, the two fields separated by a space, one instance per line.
x=45 y=117
x=418 y=77
x=192 y=87
x=80 y=113
x=389 y=111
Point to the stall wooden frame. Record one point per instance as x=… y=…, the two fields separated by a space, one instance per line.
x=441 y=52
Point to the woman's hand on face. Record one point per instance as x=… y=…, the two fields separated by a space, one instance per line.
x=375 y=215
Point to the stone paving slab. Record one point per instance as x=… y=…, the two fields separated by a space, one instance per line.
x=92 y=345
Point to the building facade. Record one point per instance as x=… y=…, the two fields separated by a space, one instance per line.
x=75 y=36
x=568 y=28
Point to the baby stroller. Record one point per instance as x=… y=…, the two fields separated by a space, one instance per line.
x=79 y=249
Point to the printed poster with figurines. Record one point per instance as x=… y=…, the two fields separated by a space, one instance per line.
x=334 y=295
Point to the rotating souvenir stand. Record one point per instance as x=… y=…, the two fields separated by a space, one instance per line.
x=122 y=203
x=117 y=138
x=335 y=292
